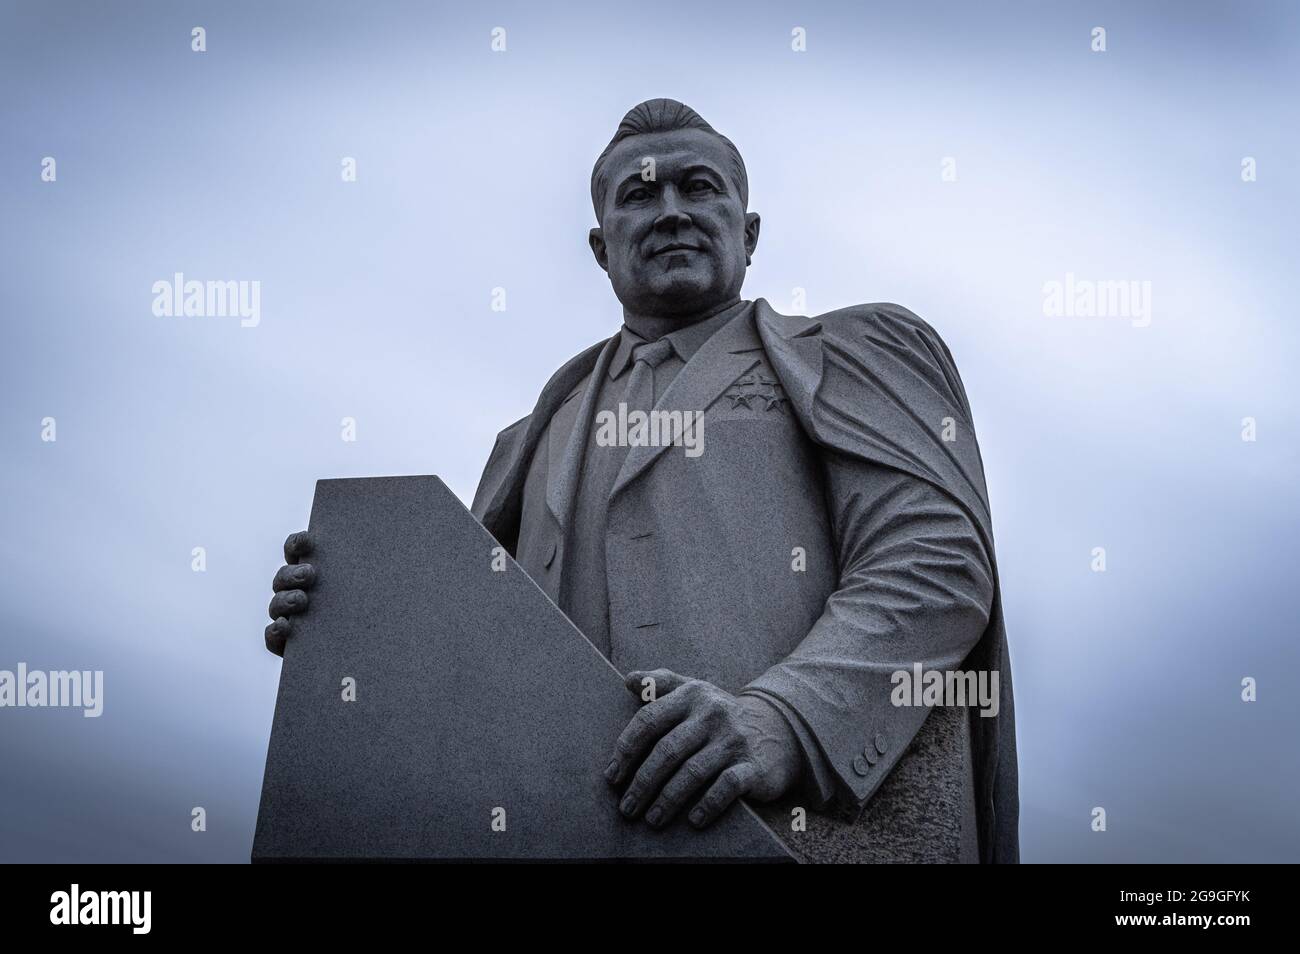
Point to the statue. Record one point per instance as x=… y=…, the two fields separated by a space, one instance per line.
x=768 y=523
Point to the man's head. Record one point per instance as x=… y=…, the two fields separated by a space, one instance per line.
x=671 y=195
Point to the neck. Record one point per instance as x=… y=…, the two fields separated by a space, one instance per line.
x=654 y=327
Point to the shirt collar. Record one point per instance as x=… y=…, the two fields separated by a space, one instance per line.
x=685 y=341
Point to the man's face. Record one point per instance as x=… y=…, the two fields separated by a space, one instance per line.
x=679 y=244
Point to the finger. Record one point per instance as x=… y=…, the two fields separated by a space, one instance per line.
x=645 y=728
x=276 y=634
x=299 y=577
x=734 y=782
x=679 y=744
x=696 y=772
x=661 y=682
x=296 y=545
x=288 y=603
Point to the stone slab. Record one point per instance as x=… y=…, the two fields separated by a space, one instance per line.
x=473 y=693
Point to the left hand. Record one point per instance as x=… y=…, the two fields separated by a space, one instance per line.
x=693 y=738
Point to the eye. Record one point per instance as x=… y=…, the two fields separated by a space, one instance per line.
x=639 y=194
x=697 y=186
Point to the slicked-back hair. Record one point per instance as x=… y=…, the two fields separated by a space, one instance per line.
x=664 y=115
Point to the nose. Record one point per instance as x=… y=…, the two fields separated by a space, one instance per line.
x=673 y=217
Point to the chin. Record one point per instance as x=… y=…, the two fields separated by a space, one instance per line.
x=681 y=285
x=681 y=291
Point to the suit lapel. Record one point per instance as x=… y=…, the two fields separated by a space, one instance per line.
x=557 y=441
x=732 y=351
x=791 y=341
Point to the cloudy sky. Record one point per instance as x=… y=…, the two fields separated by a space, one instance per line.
x=1121 y=432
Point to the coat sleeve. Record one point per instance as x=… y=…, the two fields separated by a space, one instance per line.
x=878 y=393
x=915 y=586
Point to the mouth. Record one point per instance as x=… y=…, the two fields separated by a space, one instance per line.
x=676 y=247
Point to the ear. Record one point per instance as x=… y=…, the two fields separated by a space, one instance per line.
x=751 y=235
x=596 y=239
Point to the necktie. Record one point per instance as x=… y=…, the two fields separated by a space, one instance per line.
x=640 y=395
x=603 y=463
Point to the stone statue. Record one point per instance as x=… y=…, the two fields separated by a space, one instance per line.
x=772 y=524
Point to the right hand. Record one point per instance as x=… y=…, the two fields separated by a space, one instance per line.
x=291 y=584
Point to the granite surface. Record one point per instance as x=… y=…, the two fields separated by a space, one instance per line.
x=475 y=699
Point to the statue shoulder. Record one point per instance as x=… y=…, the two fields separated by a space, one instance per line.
x=513 y=432
x=879 y=341
x=867 y=326
x=557 y=390
x=882 y=317
x=506 y=444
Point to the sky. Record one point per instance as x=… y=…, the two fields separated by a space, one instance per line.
x=956 y=159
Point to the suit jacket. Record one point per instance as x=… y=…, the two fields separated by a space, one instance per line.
x=866 y=474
